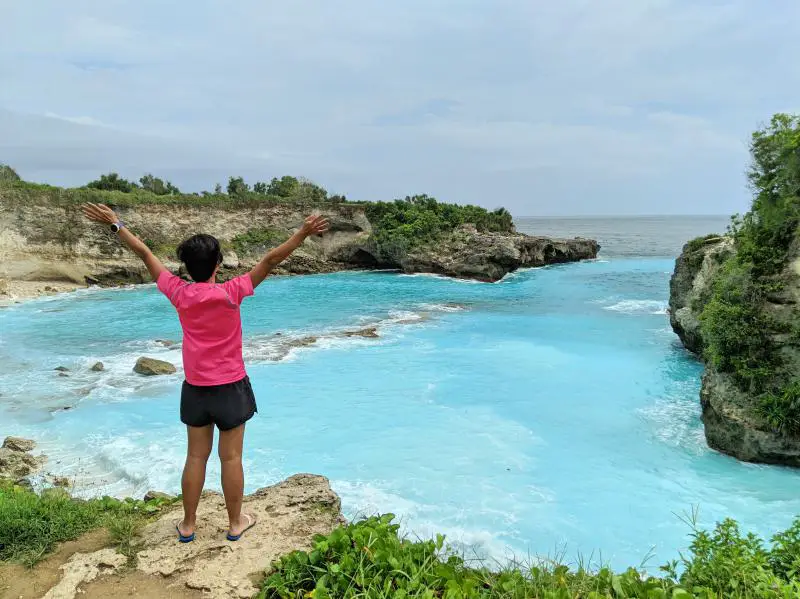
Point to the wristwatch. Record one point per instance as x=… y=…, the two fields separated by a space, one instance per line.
x=117 y=226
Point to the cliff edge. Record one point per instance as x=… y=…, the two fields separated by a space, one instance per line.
x=45 y=241
x=735 y=301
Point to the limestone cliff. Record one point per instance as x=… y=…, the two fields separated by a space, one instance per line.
x=733 y=421
x=50 y=242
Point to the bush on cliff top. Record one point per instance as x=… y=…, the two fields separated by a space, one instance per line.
x=371 y=559
x=738 y=335
x=415 y=220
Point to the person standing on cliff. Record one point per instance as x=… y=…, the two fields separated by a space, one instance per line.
x=217 y=390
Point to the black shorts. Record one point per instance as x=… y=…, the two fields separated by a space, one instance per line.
x=227 y=406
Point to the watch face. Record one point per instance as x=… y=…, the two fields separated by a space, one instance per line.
x=115 y=227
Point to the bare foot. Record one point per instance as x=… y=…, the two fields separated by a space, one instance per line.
x=245 y=522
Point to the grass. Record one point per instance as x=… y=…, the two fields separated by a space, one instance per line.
x=32 y=524
x=370 y=559
x=258 y=240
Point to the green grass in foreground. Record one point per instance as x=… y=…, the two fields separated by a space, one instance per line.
x=31 y=525
x=370 y=559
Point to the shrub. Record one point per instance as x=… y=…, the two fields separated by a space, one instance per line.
x=781 y=409
x=370 y=559
x=258 y=240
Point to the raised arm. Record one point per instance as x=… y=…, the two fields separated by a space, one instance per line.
x=313 y=225
x=103 y=214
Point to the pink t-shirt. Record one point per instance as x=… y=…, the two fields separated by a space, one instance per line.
x=212 y=327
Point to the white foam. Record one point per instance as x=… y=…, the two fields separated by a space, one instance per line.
x=639 y=307
x=418 y=520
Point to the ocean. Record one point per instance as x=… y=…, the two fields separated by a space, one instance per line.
x=552 y=413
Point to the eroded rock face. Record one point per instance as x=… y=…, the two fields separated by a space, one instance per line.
x=730 y=416
x=731 y=428
x=153 y=367
x=490 y=256
x=690 y=285
x=16 y=461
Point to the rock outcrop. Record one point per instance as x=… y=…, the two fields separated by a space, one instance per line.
x=690 y=285
x=470 y=254
x=289 y=515
x=731 y=422
x=16 y=460
x=153 y=367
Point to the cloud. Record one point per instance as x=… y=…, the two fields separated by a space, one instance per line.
x=571 y=107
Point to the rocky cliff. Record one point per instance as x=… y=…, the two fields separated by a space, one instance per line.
x=734 y=415
x=51 y=243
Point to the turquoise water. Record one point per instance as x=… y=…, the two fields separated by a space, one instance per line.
x=553 y=411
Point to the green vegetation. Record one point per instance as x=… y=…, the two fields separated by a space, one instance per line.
x=370 y=559
x=7 y=173
x=31 y=525
x=400 y=225
x=258 y=240
x=737 y=332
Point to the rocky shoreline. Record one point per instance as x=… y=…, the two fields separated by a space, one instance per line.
x=49 y=249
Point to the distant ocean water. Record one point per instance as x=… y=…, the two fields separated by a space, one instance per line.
x=642 y=236
x=554 y=411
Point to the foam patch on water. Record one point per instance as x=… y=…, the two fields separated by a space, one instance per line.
x=418 y=520
x=639 y=307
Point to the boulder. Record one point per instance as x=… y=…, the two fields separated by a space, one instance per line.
x=98 y=367
x=153 y=367
x=166 y=342
x=15 y=465
x=19 y=444
x=152 y=495
x=230 y=259
x=61 y=369
x=62 y=482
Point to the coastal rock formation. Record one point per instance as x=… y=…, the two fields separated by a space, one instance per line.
x=289 y=515
x=153 y=367
x=43 y=241
x=730 y=416
x=690 y=284
x=16 y=460
x=470 y=254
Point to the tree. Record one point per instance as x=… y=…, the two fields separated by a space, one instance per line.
x=218 y=189
x=8 y=174
x=260 y=187
x=237 y=186
x=112 y=182
x=158 y=186
x=283 y=187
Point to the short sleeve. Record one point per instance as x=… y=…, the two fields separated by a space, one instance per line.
x=239 y=288
x=170 y=285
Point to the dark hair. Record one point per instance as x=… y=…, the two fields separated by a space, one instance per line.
x=201 y=254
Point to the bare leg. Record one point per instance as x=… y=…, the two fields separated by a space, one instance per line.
x=200 y=439
x=230 y=456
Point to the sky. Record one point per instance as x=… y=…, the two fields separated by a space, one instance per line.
x=575 y=107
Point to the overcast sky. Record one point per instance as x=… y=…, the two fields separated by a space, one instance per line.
x=568 y=107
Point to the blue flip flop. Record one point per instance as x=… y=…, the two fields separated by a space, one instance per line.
x=181 y=538
x=252 y=521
